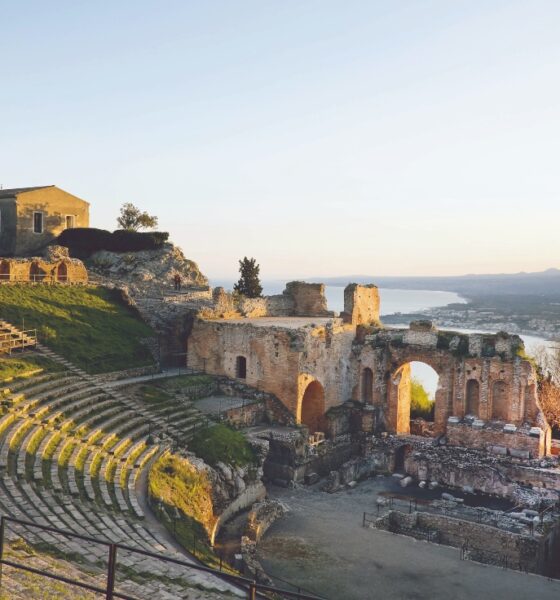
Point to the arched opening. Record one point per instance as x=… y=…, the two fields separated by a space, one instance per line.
x=473 y=397
x=313 y=407
x=36 y=273
x=62 y=272
x=241 y=367
x=367 y=386
x=500 y=401
x=415 y=385
x=401 y=454
x=5 y=271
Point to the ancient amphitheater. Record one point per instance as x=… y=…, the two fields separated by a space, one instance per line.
x=324 y=400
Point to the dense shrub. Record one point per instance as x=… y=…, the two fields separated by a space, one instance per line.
x=84 y=241
x=220 y=443
x=421 y=405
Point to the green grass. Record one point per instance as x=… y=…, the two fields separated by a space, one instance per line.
x=181 y=496
x=153 y=394
x=182 y=382
x=27 y=365
x=90 y=326
x=220 y=443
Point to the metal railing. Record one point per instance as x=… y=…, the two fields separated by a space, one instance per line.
x=17 y=340
x=253 y=589
x=46 y=278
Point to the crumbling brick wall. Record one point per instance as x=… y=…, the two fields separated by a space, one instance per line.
x=40 y=270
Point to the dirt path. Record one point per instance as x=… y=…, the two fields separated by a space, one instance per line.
x=322 y=546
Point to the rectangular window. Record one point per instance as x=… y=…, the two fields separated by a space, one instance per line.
x=70 y=220
x=37 y=222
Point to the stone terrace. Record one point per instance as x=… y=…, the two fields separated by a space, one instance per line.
x=72 y=453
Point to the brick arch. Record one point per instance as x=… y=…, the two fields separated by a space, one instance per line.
x=5 y=270
x=62 y=271
x=36 y=272
x=366 y=385
x=472 y=397
x=311 y=403
x=397 y=419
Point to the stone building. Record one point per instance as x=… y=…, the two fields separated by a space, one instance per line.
x=32 y=217
x=314 y=362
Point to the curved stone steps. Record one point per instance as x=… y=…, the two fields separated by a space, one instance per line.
x=132 y=476
x=15 y=439
x=22 y=454
x=43 y=458
x=6 y=435
x=59 y=461
x=6 y=420
x=31 y=382
x=36 y=406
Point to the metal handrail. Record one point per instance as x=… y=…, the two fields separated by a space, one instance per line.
x=250 y=586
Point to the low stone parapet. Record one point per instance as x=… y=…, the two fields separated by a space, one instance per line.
x=496 y=437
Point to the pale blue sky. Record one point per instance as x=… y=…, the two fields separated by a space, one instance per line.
x=323 y=138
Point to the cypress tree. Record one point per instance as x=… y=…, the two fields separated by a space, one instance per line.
x=249 y=283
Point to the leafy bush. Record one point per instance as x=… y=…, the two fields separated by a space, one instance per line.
x=84 y=241
x=220 y=443
x=421 y=405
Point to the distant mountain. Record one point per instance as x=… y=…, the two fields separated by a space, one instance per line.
x=543 y=283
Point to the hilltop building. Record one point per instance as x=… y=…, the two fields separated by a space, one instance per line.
x=32 y=217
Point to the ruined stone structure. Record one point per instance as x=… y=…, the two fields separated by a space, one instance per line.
x=32 y=217
x=313 y=362
x=42 y=270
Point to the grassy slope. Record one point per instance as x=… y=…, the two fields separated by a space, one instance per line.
x=19 y=366
x=88 y=325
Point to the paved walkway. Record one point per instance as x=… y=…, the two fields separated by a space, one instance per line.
x=142 y=378
x=322 y=546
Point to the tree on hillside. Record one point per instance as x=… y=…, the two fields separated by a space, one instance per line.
x=421 y=405
x=133 y=219
x=249 y=283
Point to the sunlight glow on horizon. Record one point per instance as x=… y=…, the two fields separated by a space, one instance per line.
x=323 y=139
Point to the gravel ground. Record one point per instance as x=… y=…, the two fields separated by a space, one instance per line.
x=321 y=546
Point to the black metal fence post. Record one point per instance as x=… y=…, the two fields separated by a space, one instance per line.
x=252 y=591
x=111 y=568
x=2 y=526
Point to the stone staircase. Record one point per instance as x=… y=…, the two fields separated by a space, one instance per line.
x=72 y=452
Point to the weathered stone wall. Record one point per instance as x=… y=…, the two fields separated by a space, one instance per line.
x=524 y=442
x=485 y=544
x=40 y=270
x=309 y=299
x=361 y=304
x=505 y=383
x=280 y=360
x=17 y=218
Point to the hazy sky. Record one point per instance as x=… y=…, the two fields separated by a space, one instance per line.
x=321 y=137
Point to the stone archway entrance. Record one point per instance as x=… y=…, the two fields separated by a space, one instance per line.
x=473 y=397
x=313 y=407
x=62 y=272
x=367 y=386
x=429 y=396
x=36 y=273
x=500 y=401
x=401 y=454
x=5 y=270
